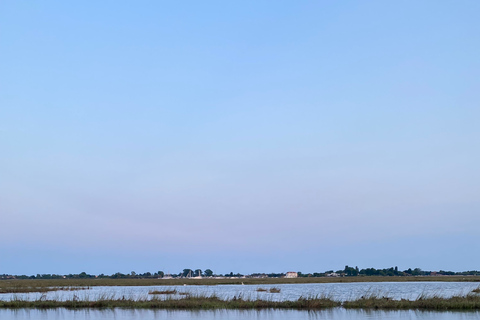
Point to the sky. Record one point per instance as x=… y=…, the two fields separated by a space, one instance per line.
x=240 y=136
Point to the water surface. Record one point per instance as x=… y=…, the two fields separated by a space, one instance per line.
x=336 y=291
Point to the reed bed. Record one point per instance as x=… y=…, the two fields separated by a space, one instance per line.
x=37 y=283
x=174 y=291
x=25 y=289
x=468 y=302
x=271 y=290
x=187 y=303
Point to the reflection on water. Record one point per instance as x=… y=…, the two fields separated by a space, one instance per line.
x=337 y=314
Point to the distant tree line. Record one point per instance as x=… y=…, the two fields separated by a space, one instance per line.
x=192 y=273
x=393 y=271
x=132 y=275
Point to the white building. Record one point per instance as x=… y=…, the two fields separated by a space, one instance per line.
x=291 y=274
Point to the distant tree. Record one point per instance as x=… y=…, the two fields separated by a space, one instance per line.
x=198 y=273
x=417 y=272
x=349 y=271
x=208 y=273
x=160 y=274
x=187 y=272
x=118 y=275
x=274 y=275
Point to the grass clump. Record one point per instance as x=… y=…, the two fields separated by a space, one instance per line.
x=174 y=291
x=469 y=302
x=271 y=290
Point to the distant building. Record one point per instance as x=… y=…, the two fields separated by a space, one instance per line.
x=291 y=274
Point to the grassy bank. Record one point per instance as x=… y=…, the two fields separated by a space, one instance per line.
x=27 y=289
x=469 y=302
x=187 y=303
x=37 y=283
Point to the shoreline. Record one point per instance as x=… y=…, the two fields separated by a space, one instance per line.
x=92 y=282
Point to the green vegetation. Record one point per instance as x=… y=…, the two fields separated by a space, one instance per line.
x=163 y=292
x=188 y=303
x=271 y=290
x=26 y=289
x=469 y=302
x=35 y=285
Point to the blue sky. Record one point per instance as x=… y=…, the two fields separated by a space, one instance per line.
x=244 y=136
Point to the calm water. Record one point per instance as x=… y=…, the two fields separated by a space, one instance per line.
x=337 y=314
x=336 y=291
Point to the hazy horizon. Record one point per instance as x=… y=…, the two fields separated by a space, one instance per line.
x=242 y=136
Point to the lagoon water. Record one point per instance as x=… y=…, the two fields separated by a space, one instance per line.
x=335 y=291
x=336 y=314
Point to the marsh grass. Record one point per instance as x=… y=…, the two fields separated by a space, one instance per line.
x=477 y=290
x=271 y=290
x=423 y=302
x=38 y=283
x=174 y=291
x=189 y=303
x=21 y=289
